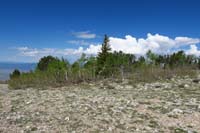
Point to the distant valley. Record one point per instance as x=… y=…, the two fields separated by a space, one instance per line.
x=7 y=67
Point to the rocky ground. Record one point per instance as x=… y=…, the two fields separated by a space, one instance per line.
x=104 y=106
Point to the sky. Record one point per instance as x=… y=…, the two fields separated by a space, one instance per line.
x=31 y=29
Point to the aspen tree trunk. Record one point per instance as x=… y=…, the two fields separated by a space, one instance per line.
x=66 y=75
x=122 y=72
x=79 y=74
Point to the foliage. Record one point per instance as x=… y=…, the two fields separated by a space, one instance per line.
x=38 y=79
x=149 y=74
x=90 y=68
x=102 y=56
x=151 y=57
x=58 y=69
x=15 y=74
x=44 y=62
x=50 y=71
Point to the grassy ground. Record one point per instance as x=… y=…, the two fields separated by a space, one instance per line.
x=166 y=106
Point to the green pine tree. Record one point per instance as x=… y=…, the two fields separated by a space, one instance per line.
x=103 y=55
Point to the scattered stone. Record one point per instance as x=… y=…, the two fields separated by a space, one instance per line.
x=184 y=86
x=196 y=80
x=128 y=87
x=181 y=86
x=118 y=107
x=175 y=113
x=157 y=86
x=67 y=118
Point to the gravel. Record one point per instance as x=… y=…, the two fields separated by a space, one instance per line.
x=103 y=106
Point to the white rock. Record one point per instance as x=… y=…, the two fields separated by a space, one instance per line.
x=27 y=127
x=186 y=86
x=176 y=112
x=37 y=113
x=8 y=117
x=28 y=102
x=110 y=129
x=128 y=87
x=67 y=118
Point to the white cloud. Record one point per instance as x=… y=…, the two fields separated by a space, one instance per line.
x=26 y=51
x=157 y=43
x=79 y=42
x=30 y=53
x=93 y=49
x=186 y=40
x=193 y=50
x=35 y=52
x=22 y=48
x=84 y=35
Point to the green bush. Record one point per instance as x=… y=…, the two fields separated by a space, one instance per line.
x=54 y=74
x=45 y=61
x=15 y=74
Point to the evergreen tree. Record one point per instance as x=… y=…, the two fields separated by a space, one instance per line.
x=177 y=59
x=16 y=73
x=103 y=55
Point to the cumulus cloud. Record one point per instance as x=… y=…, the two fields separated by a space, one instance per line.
x=193 y=50
x=92 y=49
x=84 y=35
x=186 y=40
x=157 y=43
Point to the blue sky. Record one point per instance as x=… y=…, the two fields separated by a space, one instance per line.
x=30 y=29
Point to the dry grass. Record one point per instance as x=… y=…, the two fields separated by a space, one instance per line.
x=36 y=80
x=143 y=74
x=152 y=74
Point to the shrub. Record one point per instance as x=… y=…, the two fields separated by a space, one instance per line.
x=58 y=70
x=45 y=61
x=50 y=72
x=15 y=74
